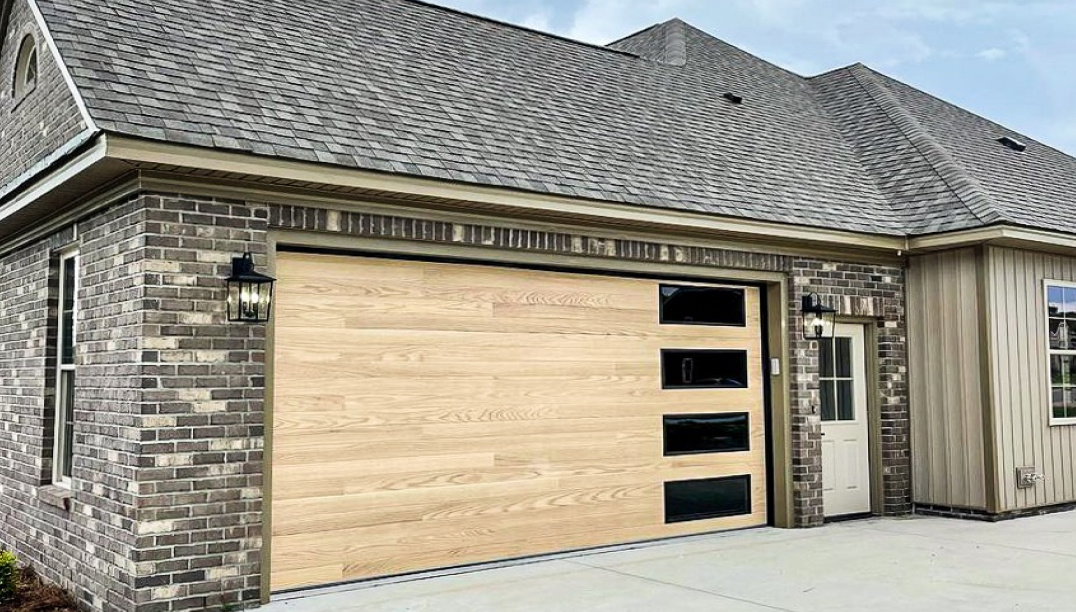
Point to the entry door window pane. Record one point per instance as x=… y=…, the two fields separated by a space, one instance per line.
x=843 y=357
x=836 y=381
x=826 y=356
x=846 y=400
x=829 y=400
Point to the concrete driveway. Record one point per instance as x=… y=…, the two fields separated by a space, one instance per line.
x=874 y=565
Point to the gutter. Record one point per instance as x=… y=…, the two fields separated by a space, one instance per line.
x=69 y=148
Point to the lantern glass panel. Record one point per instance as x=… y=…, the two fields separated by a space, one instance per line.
x=249 y=300
x=819 y=325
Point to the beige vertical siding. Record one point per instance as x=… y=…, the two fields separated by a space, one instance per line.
x=944 y=375
x=1021 y=379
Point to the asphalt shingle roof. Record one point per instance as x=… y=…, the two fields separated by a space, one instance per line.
x=1035 y=188
x=405 y=87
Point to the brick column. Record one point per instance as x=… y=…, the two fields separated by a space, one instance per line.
x=864 y=292
x=199 y=516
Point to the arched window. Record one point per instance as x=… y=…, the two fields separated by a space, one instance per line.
x=26 y=67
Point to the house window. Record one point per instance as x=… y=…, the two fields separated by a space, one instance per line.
x=66 y=324
x=26 y=67
x=1061 y=343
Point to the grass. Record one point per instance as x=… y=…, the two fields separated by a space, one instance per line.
x=32 y=594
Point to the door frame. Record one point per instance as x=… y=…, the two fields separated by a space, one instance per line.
x=774 y=294
x=874 y=406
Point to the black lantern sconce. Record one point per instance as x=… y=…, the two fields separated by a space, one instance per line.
x=250 y=293
x=819 y=320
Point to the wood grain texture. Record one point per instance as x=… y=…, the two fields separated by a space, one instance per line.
x=430 y=415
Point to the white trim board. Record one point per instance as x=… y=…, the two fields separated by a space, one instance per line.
x=51 y=42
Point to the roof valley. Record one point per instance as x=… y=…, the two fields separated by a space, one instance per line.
x=968 y=190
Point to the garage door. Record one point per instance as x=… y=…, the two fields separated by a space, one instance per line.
x=429 y=415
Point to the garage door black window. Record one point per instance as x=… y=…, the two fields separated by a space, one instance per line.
x=693 y=500
x=703 y=369
x=688 y=305
x=692 y=434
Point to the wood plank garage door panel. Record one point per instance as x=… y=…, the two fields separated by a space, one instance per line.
x=433 y=414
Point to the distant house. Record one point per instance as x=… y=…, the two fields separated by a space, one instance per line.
x=531 y=296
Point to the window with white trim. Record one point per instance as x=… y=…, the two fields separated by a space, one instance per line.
x=1061 y=344
x=66 y=324
x=26 y=67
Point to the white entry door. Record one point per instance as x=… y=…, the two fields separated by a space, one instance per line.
x=845 y=425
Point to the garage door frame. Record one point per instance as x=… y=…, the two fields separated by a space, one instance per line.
x=773 y=294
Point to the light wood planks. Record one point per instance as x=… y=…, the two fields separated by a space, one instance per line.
x=429 y=415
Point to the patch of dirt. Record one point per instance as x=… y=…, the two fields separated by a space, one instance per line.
x=35 y=595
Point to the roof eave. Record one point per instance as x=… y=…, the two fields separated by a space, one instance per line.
x=146 y=153
x=101 y=164
x=1003 y=234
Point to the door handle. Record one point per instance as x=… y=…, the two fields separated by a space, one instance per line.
x=687 y=370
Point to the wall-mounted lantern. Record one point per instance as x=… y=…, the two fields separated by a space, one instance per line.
x=250 y=293
x=819 y=320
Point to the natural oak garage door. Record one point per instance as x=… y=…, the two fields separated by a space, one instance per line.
x=428 y=415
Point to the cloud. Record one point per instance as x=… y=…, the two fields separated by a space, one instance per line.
x=603 y=21
x=992 y=54
x=774 y=12
x=538 y=21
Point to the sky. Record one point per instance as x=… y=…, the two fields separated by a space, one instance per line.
x=1013 y=61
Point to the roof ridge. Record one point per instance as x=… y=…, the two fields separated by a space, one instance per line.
x=675 y=42
x=965 y=187
x=670 y=38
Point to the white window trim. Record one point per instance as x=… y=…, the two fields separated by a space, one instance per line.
x=1045 y=312
x=28 y=48
x=57 y=435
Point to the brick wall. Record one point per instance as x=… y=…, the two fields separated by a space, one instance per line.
x=166 y=494
x=167 y=502
x=864 y=292
x=199 y=488
x=84 y=548
x=35 y=125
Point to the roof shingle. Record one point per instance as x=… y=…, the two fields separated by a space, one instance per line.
x=405 y=87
